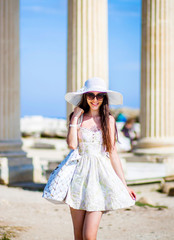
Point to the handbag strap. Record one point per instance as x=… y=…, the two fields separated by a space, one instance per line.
x=80 y=120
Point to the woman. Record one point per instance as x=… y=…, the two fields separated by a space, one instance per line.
x=98 y=184
x=99 y=171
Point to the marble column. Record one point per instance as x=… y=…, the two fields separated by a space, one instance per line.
x=15 y=166
x=87 y=42
x=157 y=76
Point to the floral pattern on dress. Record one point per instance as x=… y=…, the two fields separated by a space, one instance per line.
x=95 y=185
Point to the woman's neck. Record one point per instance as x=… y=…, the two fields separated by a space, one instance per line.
x=93 y=113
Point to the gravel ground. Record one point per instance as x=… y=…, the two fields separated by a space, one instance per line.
x=25 y=215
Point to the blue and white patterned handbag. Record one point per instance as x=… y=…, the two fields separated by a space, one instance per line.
x=59 y=180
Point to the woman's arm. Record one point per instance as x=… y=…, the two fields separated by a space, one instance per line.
x=72 y=139
x=114 y=158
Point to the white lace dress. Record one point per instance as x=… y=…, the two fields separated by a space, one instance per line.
x=95 y=185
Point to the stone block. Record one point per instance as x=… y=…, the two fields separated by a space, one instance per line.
x=19 y=170
x=166 y=186
x=171 y=192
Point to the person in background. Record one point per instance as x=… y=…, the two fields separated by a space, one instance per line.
x=129 y=132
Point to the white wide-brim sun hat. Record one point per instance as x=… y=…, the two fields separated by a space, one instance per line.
x=95 y=84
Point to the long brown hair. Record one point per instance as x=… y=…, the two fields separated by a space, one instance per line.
x=104 y=117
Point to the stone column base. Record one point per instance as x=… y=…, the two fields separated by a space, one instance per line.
x=154 y=146
x=156 y=151
x=163 y=155
x=15 y=167
x=148 y=143
x=144 y=168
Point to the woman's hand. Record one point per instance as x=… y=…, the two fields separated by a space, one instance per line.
x=131 y=192
x=77 y=112
x=72 y=138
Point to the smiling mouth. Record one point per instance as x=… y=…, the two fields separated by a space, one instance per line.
x=94 y=104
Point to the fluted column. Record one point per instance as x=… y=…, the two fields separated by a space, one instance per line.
x=87 y=42
x=10 y=137
x=157 y=72
x=9 y=73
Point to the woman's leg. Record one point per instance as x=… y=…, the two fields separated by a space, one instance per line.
x=78 y=217
x=91 y=224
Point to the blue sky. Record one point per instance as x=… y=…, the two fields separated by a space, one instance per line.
x=43 y=44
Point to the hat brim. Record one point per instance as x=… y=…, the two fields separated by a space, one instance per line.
x=115 y=98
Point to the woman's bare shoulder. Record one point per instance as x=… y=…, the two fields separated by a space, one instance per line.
x=112 y=122
x=111 y=119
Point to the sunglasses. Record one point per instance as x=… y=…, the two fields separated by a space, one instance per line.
x=99 y=96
